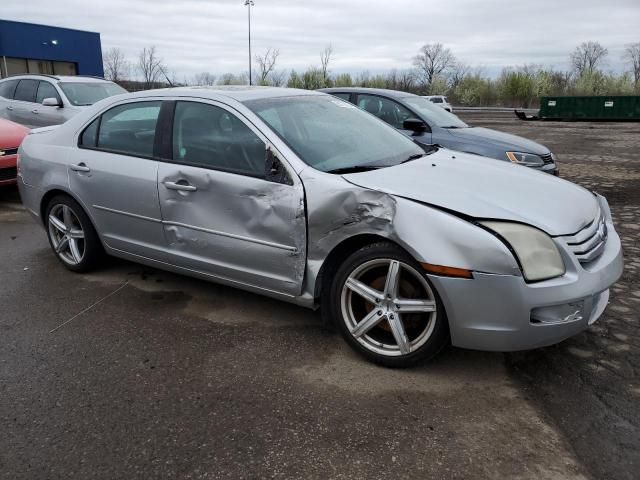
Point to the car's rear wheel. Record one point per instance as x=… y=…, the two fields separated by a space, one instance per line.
x=71 y=235
x=386 y=308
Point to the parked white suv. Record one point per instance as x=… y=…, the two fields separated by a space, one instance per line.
x=441 y=101
x=37 y=100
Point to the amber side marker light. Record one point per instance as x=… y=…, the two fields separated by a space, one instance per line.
x=512 y=157
x=447 y=271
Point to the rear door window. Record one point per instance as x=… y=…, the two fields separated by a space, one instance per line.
x=129 y=129
x=26 y=90
x=89 y=138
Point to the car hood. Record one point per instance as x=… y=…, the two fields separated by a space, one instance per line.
x=506 y=140
x=484 y=188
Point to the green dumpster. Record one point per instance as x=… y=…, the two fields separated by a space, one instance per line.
x=591 y=108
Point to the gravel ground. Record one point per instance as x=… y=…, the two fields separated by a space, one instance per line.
x=134 y=373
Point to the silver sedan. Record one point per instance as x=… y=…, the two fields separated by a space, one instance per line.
x=303 y=197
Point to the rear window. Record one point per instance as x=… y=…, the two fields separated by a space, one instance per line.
x=26 y=90
x=343 y=96
x=7 y=88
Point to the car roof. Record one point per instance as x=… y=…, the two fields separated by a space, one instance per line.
x=240 y=93
x=378 y=91
x=59 y=78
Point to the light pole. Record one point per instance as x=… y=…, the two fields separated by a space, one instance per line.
x=249 y=4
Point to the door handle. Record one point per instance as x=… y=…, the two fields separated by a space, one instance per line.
x=9 y=107
x=185 y=187
x=80 y=167
x=35 y=110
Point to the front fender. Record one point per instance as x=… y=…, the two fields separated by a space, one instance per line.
x=438 y=237
x=338 y=210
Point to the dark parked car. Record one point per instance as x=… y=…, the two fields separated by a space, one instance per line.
x=429 y=124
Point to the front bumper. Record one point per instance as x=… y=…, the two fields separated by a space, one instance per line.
x=8 y=170
x=504 y=313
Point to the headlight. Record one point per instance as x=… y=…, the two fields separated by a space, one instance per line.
x=537 y=253
x=526 y=159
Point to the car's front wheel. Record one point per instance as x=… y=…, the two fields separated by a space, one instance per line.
x=71 y=235
x=386 y=308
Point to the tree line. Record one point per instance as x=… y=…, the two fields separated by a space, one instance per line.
x=435 y=70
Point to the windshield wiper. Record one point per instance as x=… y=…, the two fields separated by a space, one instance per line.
x=352 y=169
x=415 y=156
x=432 y=147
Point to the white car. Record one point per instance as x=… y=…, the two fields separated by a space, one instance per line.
x=441 y=101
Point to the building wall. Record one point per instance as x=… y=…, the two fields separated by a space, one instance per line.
x=31 y=41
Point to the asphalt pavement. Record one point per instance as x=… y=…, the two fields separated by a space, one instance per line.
x=130 y=372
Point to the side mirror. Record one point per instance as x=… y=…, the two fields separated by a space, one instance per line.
x=274 y=170
x=51 y=102
x=415 y=125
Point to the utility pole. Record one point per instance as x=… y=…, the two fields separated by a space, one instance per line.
x=249 y=4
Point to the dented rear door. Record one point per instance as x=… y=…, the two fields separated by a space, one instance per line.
x=220 y=215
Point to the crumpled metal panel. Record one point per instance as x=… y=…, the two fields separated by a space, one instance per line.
x=339 y=210
x=236 y=227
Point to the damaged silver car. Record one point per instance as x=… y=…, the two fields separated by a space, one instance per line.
x=303 y=197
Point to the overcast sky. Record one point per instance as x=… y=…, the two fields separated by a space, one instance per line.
x=375 y=35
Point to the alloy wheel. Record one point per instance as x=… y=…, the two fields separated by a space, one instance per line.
x=388 y=307
x=66 y=233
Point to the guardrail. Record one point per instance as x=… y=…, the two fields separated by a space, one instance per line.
x=492 y=109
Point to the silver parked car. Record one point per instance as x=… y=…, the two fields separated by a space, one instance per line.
x=303 y=197
x=43 y=100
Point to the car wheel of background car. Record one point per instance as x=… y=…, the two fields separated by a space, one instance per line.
x=386 y=308
x=71 y=235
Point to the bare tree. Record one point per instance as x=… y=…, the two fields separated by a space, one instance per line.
x=587 y=57
x=231 y=79
x=458 y=73
x=266 y=64
x=204 y=78
x=150 y=66
x=432 y=60
x=325 y=58
x=632 y=55
x=278 y=78
x=116 y=66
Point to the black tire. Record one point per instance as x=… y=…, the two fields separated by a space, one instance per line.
x=331 y=305
x=93 y=251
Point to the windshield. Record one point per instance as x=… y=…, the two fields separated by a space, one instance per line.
x=88 y=93
x=434 y=115
x=330 y=134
